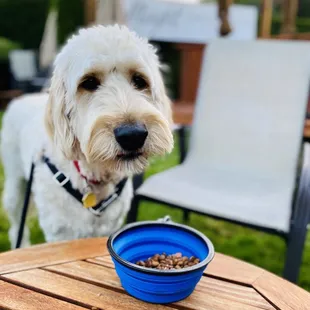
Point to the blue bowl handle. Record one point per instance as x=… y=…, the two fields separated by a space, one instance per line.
x=165 y=219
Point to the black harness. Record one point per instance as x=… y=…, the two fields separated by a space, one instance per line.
x=62 y=180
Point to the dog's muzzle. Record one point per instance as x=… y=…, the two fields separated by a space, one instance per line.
x=131 y=137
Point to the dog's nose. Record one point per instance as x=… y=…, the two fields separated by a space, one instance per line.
x=131 y=137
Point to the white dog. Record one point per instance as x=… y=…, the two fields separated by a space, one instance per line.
x=106 y=113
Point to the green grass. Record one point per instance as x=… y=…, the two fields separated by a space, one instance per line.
x=258 y=248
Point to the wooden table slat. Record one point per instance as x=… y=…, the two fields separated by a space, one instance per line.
x=84 y=294
x=52 y=253
x=233 y=269
x=208 y=287
x=102 y=260
x=18 y=298
x=91 y=273
x=283 y=294
x=222 y=267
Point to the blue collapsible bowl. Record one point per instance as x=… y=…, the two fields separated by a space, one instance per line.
x=141 y=240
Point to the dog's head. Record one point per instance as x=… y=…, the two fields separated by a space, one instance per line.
x=108 y=104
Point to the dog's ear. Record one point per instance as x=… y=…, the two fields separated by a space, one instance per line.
x=57 y=121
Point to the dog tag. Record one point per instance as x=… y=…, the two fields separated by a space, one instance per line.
x=89 y=200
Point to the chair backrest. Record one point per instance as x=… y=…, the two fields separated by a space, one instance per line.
x=23 y=64
x=251 y=107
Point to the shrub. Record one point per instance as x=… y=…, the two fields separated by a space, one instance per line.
x=23 y=21
x=5 y=46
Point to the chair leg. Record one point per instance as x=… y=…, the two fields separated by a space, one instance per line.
x=137 y=181
x=182 y=141
x=301 y=218
x=186 y=216
x=295 y=246
x=133 y=212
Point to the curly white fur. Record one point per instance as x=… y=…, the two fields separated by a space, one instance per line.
x=71 y=123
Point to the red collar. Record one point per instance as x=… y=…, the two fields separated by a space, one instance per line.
x=77 y=166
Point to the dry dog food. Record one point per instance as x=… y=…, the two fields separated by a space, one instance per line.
x=167 y=262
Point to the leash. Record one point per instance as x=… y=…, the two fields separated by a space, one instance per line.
x=25 y=208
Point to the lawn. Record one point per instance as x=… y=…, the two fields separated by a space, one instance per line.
x=255 y=247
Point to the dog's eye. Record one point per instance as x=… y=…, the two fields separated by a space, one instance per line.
x=139 y=82
x=90 y=84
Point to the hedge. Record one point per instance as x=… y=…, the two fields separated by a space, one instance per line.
x=22 y=24
x=71 y=17
x=23 y=21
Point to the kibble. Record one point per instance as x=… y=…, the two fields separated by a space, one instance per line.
x=168 y=262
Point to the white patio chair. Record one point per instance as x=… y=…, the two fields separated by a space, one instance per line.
x=245 y=143
x=23 y=64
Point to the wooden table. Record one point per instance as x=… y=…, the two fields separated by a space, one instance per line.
x=81 y=275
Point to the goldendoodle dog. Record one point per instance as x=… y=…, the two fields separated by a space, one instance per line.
x=105 y=113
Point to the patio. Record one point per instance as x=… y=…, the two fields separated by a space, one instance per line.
x=86 y=268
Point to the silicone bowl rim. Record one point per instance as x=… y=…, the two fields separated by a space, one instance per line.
x=126 y=263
